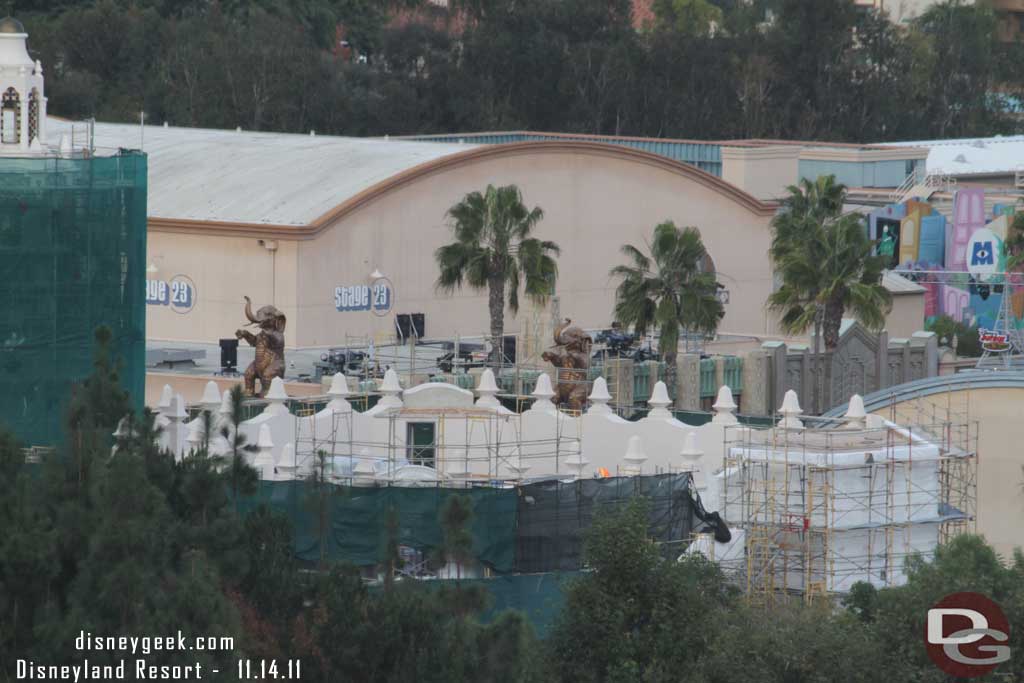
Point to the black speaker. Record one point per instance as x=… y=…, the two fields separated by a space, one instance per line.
x=509 y=349
x=419 y=325
x=228 y=355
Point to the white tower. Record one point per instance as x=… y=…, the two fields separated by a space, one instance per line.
x=22 y=102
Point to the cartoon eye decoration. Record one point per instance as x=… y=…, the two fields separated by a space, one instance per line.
x=982 y=253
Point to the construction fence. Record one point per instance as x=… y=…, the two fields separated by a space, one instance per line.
x=529 y=528
x=72 y=258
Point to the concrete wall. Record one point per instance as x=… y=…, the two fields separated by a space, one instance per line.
x=764 y=172
x=594 y=202
x=907 y=315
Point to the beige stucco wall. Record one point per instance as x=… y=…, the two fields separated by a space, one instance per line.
x=593 y=203
x=224 y=269
x=764 y=172
x=906 y=316
x=997 y=415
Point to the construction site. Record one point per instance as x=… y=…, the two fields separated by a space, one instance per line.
x=816 y=508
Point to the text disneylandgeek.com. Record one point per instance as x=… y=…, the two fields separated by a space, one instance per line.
x=134 y=666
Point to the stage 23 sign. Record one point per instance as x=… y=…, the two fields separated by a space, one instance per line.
x=375 y=297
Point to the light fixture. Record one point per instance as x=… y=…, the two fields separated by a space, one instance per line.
x=376 y=274
x=151 y=268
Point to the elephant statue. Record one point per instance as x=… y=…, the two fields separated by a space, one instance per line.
x=571 y=356
x=269 y=344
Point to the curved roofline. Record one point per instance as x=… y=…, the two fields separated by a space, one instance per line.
x=961 y=381
x=486 y=152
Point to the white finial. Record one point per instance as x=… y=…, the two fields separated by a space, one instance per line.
x=277 y=397
x=177 y=411
x=65 y=146
x=39 y=68
x=339 y=386
x=659 y=401
x=487 y=390
x=856 y=417
x=392 y=389
x=364 y=469
x=195 y=432
x=238 y=129
x=635 y=456
x=543 y=393
x=724 y=407
x=165 y=398
x=690 y=453
x=599 y=397
x=225 y=403
x=576 y=461
x=312 y=133
x=264 y=460
x=166 y=125
x=211 y=396
x=286 y=465
x=790 y=411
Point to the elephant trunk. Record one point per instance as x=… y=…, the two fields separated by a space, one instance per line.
x=248 y=311
x=561 y=328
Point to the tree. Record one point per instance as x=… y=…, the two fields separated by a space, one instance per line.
x=825 y=262
x=670 y=289
x=494 y=250
x=98 y=404
x=457 y=541
x=242 y=476
x=688 y=17
x=635 y=616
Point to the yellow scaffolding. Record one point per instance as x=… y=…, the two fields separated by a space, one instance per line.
x=824 y=506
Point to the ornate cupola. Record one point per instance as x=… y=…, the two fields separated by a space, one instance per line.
x=22 y=102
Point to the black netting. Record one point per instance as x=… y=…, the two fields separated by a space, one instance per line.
x=553 y=516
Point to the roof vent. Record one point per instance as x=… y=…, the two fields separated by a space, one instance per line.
x=980 y=144
x=960 y=159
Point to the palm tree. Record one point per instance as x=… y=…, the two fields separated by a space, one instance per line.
x=670 y=289
x=826 y=265
x=493 y=250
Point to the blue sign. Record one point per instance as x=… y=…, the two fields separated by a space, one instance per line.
x=376 y=297
x=982 y=254
x=179 y=293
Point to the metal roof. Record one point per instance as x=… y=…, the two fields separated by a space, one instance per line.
x=897 y=284
x=972 y=156
x=249 y=177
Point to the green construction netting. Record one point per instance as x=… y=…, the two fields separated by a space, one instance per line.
x=355 y=529
x=72 y=258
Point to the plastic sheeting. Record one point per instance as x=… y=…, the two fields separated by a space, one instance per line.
x=72 y=258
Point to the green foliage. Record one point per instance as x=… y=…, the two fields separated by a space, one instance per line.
x=968 y=344
x=494 y=250
x=825 y=262
x=819 y=70
x=635 y=615
x=687 y=17
x=669 y=290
